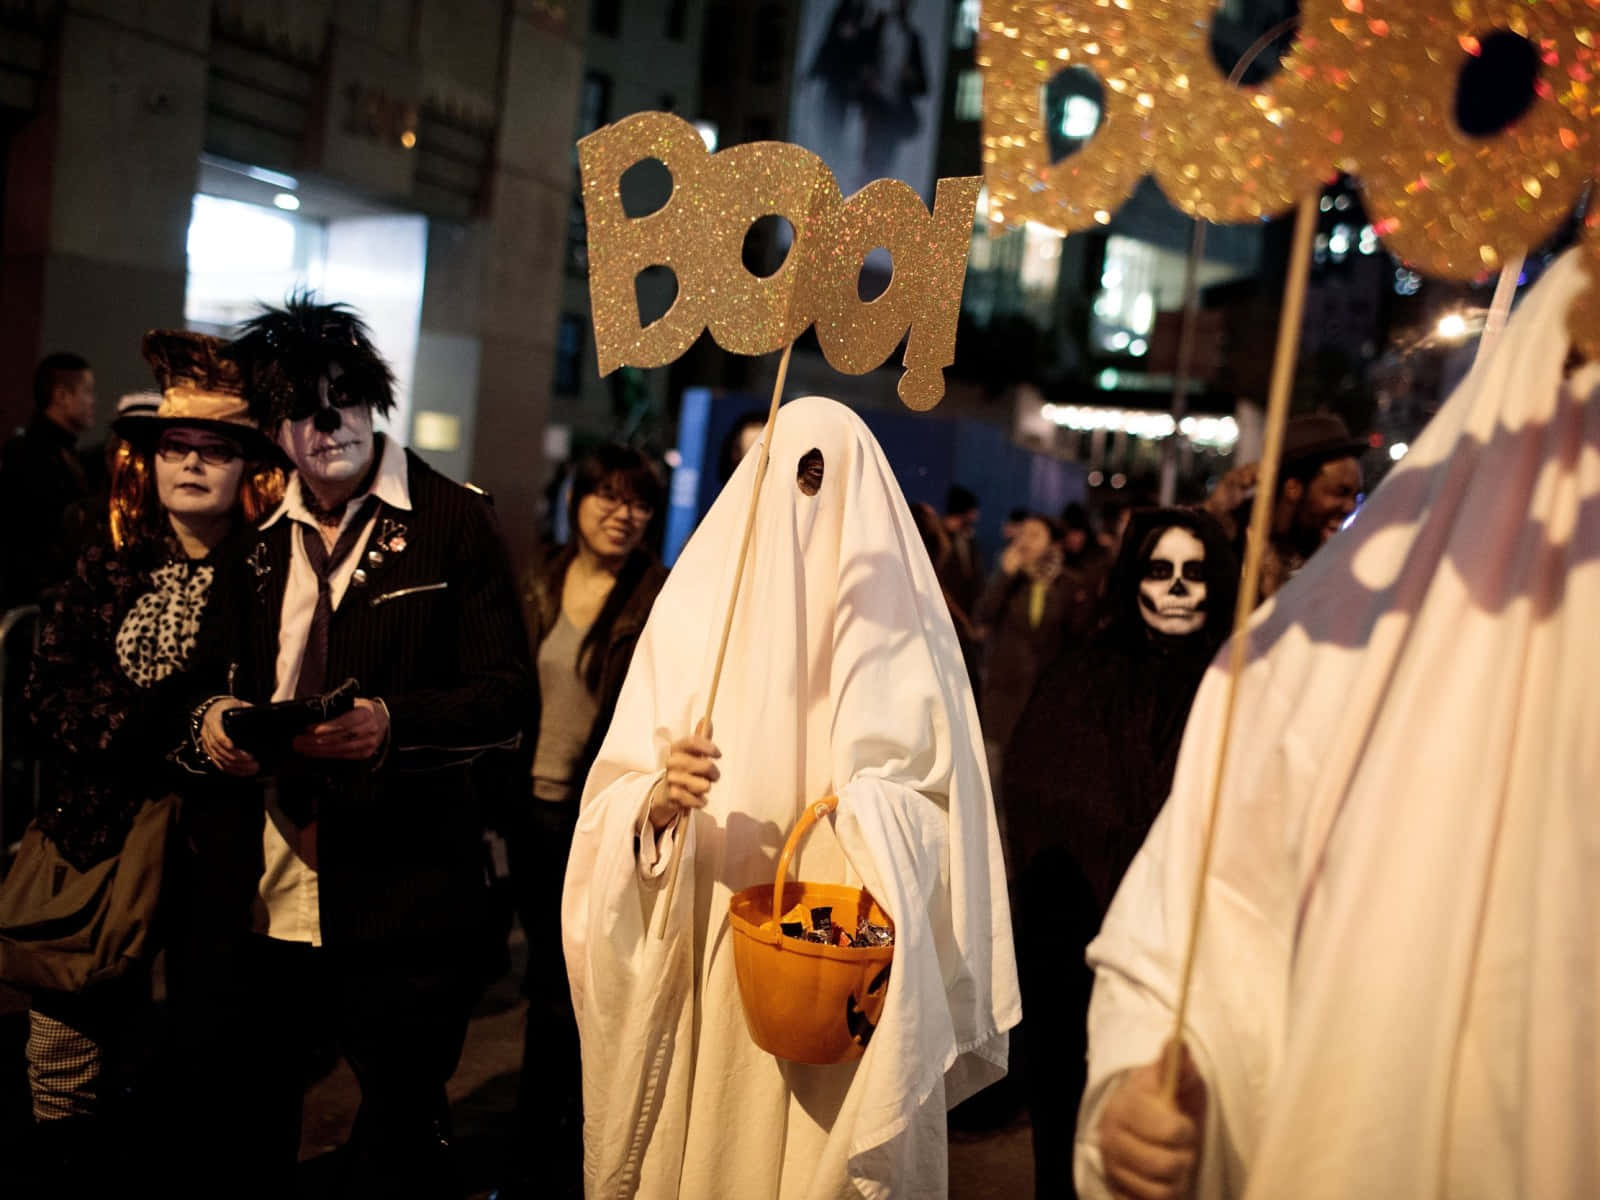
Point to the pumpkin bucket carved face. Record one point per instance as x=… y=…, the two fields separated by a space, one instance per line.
x=804 y=1001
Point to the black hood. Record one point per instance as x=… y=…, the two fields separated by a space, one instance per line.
x=1120 y=613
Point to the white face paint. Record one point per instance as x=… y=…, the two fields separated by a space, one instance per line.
x=324 y=458
x=1172 y=594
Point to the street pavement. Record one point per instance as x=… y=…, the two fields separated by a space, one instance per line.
x=990 y=1143
x=991 y=1158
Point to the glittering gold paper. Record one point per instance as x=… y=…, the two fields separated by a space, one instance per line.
x=1021 y=47
x=699 y=233
x=1223 y=152
x=1448 y=203
x=620 y=247
x=1369 y=87
x=1219 y=152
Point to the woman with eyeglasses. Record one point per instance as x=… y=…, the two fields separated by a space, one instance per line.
x=585 y=611
x=108 y=684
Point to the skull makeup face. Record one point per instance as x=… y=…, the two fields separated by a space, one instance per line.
x=1172 y=594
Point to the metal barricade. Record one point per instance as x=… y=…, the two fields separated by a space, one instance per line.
x=15 y=810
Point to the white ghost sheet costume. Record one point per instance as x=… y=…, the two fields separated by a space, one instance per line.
x=843 y=677
x=1395 y=994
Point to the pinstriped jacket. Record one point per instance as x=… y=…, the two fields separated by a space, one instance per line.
x=436 y=632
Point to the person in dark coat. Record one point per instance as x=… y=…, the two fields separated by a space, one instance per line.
x=586 y=610
x=1032 y=606
x=1087 y=769
x=370 y=926
x=42 y=472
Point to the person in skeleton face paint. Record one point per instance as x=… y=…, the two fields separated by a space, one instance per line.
x=1086 y=771
x=1172 y=594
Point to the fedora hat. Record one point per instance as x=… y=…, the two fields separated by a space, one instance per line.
x=200 y=389
x=1321 y=436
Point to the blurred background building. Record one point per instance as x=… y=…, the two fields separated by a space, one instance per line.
x=175 y=162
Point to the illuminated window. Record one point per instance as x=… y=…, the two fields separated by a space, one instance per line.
x=243 y=255
x=1080 y=117
x=1041 y=259
x=969 y=96
x=966 y=30
x=1073 y=104
x=240 y=254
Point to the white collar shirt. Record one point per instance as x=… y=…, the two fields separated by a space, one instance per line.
x=288 y=903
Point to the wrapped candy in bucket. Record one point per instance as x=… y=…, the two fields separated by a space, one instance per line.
x=809 y=999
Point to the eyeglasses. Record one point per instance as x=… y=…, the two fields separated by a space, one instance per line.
x=213 y=454
x=611 y=500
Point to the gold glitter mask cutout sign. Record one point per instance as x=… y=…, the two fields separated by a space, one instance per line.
x=699 y=234
x=1369 y=87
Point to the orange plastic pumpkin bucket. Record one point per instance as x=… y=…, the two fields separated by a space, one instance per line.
x=805 y=1001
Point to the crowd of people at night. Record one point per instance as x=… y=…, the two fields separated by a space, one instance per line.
x=286 y=684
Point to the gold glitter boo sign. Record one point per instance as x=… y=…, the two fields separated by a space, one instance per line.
x=1369 y=87
x=699 y=233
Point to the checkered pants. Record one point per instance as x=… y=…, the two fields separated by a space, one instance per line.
x=64 y=1069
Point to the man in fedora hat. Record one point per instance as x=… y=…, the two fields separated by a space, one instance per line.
x=1319 y=481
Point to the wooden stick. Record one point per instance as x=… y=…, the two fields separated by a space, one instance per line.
x=1505 y=291
x=1294 y=295
x=1180 y=380
x=1191 y=293
x=727 y=621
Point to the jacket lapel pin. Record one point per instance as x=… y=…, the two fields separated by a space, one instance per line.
x=259 y=562
x=391 y=539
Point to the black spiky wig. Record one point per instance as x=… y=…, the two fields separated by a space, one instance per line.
x=285 y=352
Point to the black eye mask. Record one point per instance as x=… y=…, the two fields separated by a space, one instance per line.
x=307 y=402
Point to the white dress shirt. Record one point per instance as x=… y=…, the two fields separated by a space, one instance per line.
x=288 y=897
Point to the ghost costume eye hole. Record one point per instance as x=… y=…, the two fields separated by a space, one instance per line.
x=809 y=476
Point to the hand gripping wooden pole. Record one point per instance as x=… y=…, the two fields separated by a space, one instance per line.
x=704 y=728
x=1294 y=295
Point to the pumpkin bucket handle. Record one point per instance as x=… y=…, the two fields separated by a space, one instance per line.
x=813 y=813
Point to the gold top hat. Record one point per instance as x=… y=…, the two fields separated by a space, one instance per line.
x=199 y=388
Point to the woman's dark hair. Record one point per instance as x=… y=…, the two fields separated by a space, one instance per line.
x=633 y=475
